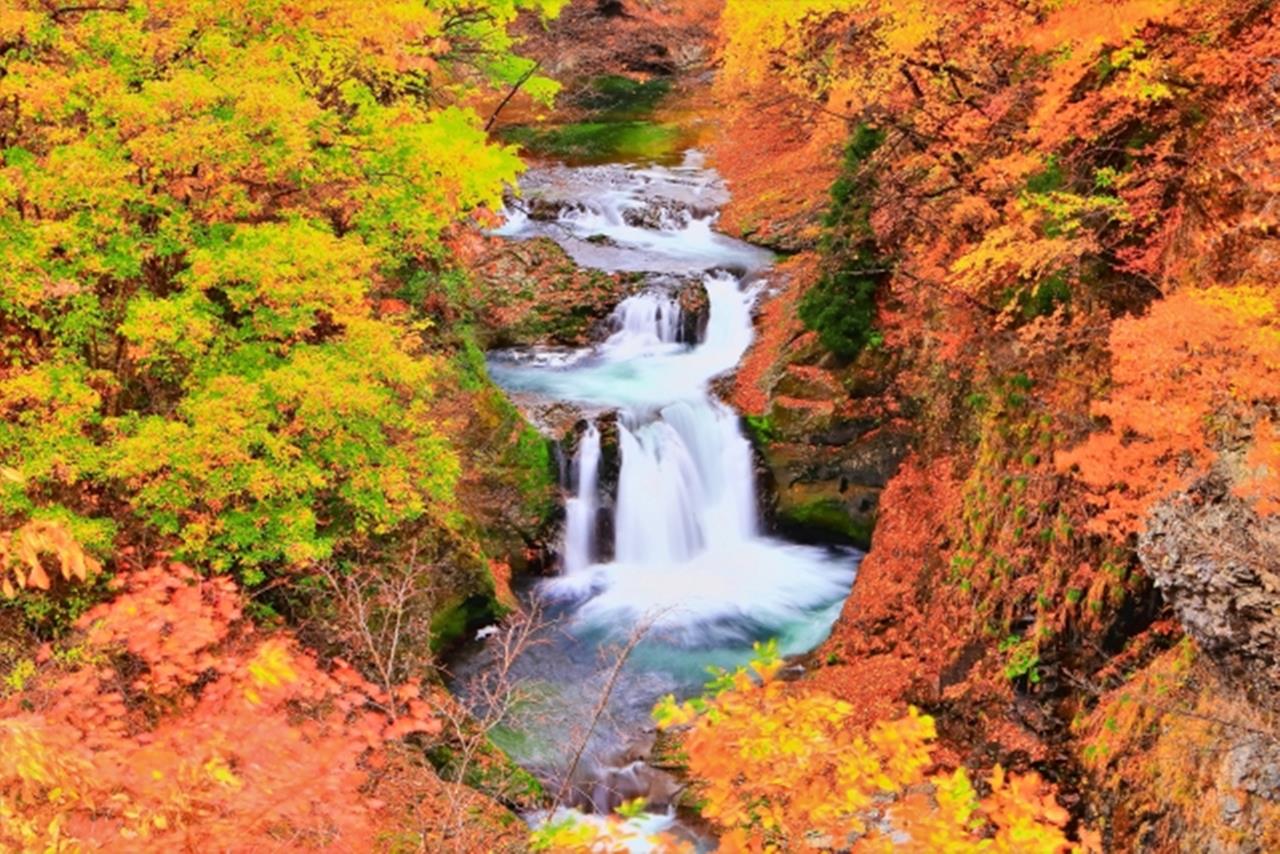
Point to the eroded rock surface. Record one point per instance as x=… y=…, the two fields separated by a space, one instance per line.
x=1218 y=565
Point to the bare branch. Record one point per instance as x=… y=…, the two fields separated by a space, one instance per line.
x=524 y=78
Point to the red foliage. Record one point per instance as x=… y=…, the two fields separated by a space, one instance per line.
x=889 y=647
x=1197 y=363
x=173 y=724
x=777 y=332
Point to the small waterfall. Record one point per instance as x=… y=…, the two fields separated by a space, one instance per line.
x=580 y=510
x=644 y=323
x=660 y=493
x=686 y=484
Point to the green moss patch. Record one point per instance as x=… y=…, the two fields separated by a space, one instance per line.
x=491 y=772
x=618 y=97
x=824 y=520
x=456 y=617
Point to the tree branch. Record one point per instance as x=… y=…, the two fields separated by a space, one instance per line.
x=524 y=78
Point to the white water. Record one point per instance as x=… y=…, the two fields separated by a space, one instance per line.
x=688 y=564
x=644 y=322
x=580 y=510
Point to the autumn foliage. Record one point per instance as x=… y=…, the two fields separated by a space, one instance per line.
x=169 y=722
x=1033 y=166
x=783 y=768
x=205 y=208
x=232 y=318
x=23 y=554
x=1183 y=375
x=1072 y=212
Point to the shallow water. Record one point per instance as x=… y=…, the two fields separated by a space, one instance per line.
x=689 y=568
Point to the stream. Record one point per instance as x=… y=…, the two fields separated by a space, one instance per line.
x=667 y=544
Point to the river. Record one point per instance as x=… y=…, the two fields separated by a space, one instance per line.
x=667 y=549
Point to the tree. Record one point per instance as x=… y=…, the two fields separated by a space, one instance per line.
x=1199 y=363
x=170 y=722
x=202 y=205
x=784 y=769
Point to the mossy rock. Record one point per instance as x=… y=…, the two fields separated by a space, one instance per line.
x=491 y=772
x=459 y=615
x=798 y=419
x=808 y=383
x=819 y=513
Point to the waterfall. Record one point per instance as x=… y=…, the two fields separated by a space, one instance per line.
x=689 y=565
x=659 y=496
x=688 y=552
x=686 y=483
x=644 y=323
x=581 y=508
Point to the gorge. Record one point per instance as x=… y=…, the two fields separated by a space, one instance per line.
x=669 y=553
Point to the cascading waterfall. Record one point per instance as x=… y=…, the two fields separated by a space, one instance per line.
x=686 y=484
x=580 y=510
x=648 y=318
x=689 y=565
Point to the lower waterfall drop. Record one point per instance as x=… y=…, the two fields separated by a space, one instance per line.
x=580 y=510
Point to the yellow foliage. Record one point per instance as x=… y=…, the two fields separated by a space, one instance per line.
x=270 y=668
x=755 y=28
x=783 y=769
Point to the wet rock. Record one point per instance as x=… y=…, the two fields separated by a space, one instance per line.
x=829 y=492
x=823 y=513
x=554 y=418
x=664 y=214
x=610 y=467
x=808 y=383
x=657 y=214
x=535 y=295
x=797 y=418
x=695 y=310
x=1217 y=563
x=543 y=208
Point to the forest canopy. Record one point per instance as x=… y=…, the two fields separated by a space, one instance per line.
x=202 y=204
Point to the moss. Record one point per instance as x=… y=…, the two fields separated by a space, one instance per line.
x=761 y=429
x=595 y=142
x=531 y=465
x=459 y=615
x=1048 y=179
x=826 y=520
x=1042 y=299
x=492 y=772
x=841 y=306
x=528 y=463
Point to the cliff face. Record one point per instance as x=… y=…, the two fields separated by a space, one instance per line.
x=1061 y=434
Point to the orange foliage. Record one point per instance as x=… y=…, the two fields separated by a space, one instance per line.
x=22 y=554
x=1177 y=740
x=780 y=769
x=172 y=724
x=1198 y=362
x=1074 y=196
x=778 y=327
